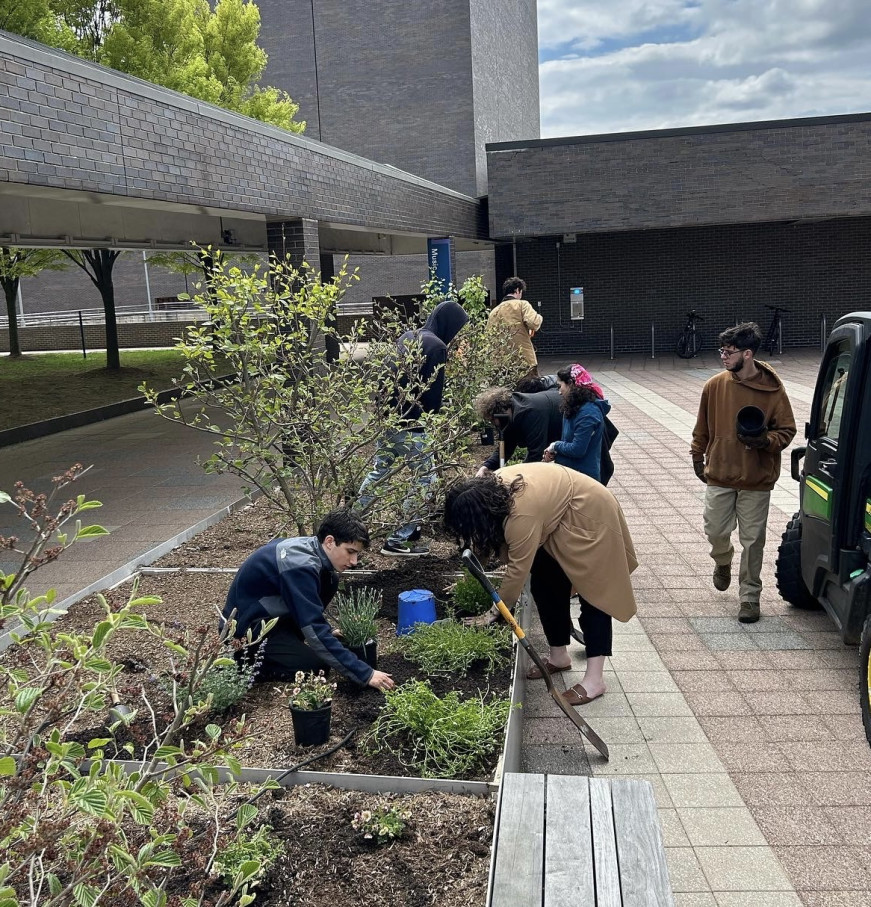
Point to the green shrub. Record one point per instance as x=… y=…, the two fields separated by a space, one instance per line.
x=238 y=856
x=356 y=610
x=470 y=596
x=227 y=683
x=450 y=646
x=440 y=738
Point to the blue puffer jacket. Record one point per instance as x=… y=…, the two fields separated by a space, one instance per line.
x=581 y=445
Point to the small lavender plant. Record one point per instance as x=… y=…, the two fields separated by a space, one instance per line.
x=356 y=610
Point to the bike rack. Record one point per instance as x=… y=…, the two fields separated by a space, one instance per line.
x=823 y=334
x=652 y=340
x=612 y=341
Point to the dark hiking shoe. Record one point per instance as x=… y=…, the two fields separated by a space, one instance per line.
x=749 y=612
x=722 y=576
x=404 y=549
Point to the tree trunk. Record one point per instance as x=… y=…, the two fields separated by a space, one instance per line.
x=107 y=291
x=10 y=288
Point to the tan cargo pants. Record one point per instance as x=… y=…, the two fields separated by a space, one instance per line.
x=726 y=508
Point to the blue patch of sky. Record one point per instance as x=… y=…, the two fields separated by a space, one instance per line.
x=673 y=33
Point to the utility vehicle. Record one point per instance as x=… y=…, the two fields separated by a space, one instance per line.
x=824 y=558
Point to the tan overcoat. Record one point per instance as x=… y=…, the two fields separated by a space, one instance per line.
x=580 y=524
x=517 y=317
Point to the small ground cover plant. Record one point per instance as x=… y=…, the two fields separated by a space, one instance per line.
x=380 y=825
x=439 y=737
x=226 y=683
x=448 y=646
x=469 y=596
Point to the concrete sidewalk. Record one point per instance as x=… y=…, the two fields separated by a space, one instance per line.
x=146 y=475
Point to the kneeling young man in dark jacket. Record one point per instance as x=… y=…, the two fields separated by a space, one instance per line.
x=293 y=580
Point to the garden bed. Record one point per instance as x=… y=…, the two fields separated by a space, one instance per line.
x=193 y=600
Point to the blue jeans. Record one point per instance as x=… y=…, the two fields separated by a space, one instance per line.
x=410 y=446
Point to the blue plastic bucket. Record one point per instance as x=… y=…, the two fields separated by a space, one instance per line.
x=416 y=606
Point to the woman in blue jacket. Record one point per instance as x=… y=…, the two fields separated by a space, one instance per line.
x=584 y=411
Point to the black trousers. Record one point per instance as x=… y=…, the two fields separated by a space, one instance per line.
x=552 y=590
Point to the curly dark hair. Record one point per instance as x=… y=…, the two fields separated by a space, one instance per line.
x=577 y=396
x=476 y=510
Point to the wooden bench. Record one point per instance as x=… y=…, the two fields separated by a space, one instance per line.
x=573 y=841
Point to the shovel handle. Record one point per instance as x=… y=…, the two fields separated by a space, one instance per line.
x=473 y=565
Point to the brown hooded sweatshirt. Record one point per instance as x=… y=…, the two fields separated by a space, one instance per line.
x=729 y=463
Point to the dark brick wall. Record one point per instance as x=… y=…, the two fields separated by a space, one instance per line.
x=504 y=76
x=745 y=173
x=633 y=279
x=418 y=86
x=68 y=123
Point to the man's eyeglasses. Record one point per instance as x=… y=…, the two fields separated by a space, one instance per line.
x=724 y=353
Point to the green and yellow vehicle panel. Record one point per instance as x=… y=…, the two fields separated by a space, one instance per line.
x=818 y=499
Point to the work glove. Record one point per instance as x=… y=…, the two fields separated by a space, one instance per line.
x=757 y=443
x=699 y=469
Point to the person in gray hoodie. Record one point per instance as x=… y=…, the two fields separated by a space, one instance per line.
x=410 y=441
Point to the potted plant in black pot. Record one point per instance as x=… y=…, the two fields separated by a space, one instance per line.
x=311 y=708
x=356 y=611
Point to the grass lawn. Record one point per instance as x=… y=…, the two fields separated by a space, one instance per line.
x=38 y=387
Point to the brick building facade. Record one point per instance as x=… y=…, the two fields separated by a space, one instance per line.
x=723 y=219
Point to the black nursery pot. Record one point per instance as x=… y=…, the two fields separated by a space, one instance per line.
x=311 y=727
x=368 y=652
x=487 y=438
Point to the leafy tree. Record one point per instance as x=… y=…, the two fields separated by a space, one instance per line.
x=298 y=428
x=98 y=264
x=36 y=19
x=201 y=262
x=186 y=45
x=16 y=263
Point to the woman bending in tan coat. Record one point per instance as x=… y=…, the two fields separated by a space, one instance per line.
x=562 y=529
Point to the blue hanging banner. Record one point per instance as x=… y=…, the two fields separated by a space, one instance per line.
x=438 y=256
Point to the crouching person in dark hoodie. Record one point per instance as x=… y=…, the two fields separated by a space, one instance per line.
x=293 y=580
x=445 y=322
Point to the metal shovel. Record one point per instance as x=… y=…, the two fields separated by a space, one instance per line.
x=474 y=567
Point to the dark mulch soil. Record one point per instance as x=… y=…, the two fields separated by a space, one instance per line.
x=191 y=602
x=442 y=859
x=228 y=543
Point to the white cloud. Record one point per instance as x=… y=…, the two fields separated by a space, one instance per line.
x=634 y=65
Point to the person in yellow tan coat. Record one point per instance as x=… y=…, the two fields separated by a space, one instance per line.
x=518 y=319
x=562 y=529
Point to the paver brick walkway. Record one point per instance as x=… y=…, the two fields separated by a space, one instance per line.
x=751 y=734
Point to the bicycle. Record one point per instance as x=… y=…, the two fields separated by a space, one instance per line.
x=774 y=337
x=690 y=341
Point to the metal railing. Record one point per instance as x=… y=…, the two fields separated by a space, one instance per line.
x=124 y=315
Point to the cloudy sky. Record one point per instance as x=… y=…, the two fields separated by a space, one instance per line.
x=619 y=65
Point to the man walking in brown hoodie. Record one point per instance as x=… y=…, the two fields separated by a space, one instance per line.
x=740 y=470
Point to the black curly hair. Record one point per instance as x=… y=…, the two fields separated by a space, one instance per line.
x=476 y=510
x=577 y=396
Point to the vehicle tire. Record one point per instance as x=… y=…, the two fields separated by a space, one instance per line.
x=787 y=569
x=688 y=345
x=865 y=676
